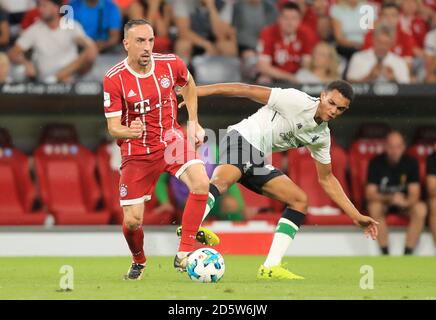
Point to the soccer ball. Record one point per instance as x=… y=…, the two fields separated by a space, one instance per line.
x=205 y=265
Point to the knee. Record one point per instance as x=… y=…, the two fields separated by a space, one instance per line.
x=299 y=202
x=131 y=221
x=220 y=184
x=419 y=211
x=200 y=185
x=375 y=209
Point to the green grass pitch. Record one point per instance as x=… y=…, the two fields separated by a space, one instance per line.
x=326 y=278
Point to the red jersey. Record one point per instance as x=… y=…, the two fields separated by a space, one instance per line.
x=416 y=27
x=430 y=4
x=403 y=46
x=151 y=97
x=285 y=53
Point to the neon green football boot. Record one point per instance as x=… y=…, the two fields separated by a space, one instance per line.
x=277 y=272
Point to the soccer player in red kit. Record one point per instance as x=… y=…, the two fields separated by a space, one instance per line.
x=141 y=110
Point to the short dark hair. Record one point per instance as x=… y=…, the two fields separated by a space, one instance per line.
x=390 y=5
x=290 y=6
x=343 y=87
x=135 y=22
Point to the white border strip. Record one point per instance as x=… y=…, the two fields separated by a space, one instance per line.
x=135 y=201
x=186 y=165
x=113 y=114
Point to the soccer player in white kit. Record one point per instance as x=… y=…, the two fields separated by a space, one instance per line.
x=289 y=119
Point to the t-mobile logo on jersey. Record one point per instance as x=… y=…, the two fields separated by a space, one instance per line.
x=142 y=106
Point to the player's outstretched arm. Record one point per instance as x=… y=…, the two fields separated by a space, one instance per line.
x=119 y=131
x=258 y=94
x=334 y=189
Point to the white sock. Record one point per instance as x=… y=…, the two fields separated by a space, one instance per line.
x=285 y=233
x=209 y=206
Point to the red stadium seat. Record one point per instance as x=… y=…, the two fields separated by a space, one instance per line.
x=302 y=170
x=110 y=185
x=17 y=193
x=360 y=153
x=66 y=175
x=254 y=200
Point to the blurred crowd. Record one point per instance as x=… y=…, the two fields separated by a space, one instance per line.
x=263 y=41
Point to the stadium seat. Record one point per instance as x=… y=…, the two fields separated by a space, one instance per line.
x=109 y=179
x=17 y=193
x=216 y=69
x=66 y=176
x=302 y=170
x=260 y=204
x=425 y=135
x=360 y=153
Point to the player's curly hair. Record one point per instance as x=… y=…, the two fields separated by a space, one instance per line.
x=343 y=87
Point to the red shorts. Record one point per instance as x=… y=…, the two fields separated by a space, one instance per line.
x=139 y=174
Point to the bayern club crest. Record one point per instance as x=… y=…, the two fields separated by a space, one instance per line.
x=165 y=82
x=123 y=190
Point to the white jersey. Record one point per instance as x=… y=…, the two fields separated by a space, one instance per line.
x=287 y=122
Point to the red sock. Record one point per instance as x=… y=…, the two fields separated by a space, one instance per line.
x=135 y=240
x=191 y=220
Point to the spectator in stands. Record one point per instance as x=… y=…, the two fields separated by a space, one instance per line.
x=430 y=53
x=324 y=29
x=412 y=22
x=316 y=17
x=4 y=30
x=249 y=18
x=4 y=68
x=160 y=14
x=431 y=191
x=285 y=46
x=201 y=30
x=346 y=18
x=101 y=20
x=323 y=65
x=393 y=187
x=404 y=45
x=16 y=10
x=379 y=64
x=55 y=56
x=310 y=10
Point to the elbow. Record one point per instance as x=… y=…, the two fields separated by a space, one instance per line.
x=91 y=53
x=111 y=131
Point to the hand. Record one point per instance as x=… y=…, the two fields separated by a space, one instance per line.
x=136 y=128
x=199 y=135
x=369 y=226
x=399 y=200
x=30 y=70
x=210 y=49
x=195 y=133
x=388 y=73
x=181 y=105
x=101 y=45
x=375 y=72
